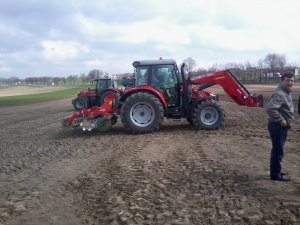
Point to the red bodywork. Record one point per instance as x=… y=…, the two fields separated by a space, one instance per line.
x=231 y=86
x=87 y=93
x=105 y=110
x=92 y=92
x=199 y=94
x=145 y=89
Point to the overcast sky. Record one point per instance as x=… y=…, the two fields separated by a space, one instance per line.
x=68 y=37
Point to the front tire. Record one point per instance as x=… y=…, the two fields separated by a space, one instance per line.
x=208 y=115
x=80 y=103
x=142 y=113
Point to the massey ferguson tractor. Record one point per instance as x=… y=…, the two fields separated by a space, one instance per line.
x=95 y=97
x=161 y=91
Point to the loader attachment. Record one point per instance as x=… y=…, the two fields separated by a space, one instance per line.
x=231 y=85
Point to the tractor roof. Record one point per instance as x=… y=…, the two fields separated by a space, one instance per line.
x=105 y=78
x=153 y=62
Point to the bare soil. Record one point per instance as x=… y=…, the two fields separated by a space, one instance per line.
x=26 y=90
x=178 y=175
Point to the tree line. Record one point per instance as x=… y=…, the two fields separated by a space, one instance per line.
x=265 y=70
x=259 y=72
x=70 y=80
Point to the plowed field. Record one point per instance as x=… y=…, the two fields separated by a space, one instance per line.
x=177 y=175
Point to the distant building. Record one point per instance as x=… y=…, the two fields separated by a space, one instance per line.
x=275 y=73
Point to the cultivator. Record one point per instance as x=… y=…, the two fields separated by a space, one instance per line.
x=101 y=118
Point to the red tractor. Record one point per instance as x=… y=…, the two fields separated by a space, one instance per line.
x=95 y=97
x=161 y=91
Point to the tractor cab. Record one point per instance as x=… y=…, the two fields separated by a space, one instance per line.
x=163 y=75
x=102 y=84
x=95 y=97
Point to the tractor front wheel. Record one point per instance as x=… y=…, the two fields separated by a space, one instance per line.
x=142 y=113
x=208 y=115
x=80 y=103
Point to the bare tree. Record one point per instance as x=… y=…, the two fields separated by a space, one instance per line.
x=282 y=61
x=248 y=66
x=94 y=74
x=260 y=64
x=270 y=61
x=190 y=63
x=83 y=78
x=233 y=65
x=293 y=64
x=274 y=61
x=215 y=67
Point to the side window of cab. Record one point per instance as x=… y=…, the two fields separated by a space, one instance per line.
x=142 y=74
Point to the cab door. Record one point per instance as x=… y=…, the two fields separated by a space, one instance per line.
x=164 y=78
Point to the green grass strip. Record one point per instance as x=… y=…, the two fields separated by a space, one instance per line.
x=47 y=96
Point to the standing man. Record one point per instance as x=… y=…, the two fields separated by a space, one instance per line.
x=281 y=117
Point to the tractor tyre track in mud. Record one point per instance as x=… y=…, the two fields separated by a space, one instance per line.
x=178 y=175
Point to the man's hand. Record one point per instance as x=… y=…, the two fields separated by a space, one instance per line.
x=283 y=123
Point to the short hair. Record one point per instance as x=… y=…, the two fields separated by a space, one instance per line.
x=288 y=75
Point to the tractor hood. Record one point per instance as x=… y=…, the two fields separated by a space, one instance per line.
x=198 y=93
x=87 y=93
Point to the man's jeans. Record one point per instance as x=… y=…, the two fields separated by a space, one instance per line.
x=278 y=136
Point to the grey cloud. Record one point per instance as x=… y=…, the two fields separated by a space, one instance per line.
x=229 y=20
x=35 y=17
x=34 y=21
x=117 y=11
x=34 y=9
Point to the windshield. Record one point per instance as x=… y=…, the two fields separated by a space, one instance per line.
x=103 y=84
x=163 y=75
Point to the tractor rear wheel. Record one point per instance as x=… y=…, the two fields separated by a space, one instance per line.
x=208 y=115
x=142 y=113
x=80 y=103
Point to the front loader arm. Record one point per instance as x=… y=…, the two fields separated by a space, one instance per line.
x=234 y=88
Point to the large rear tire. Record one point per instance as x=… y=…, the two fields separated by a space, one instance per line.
x=208 y=115
x=142 y=113
x=80 y=103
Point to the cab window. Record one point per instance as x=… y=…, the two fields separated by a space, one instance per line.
x=164 y=75
x=141 y=76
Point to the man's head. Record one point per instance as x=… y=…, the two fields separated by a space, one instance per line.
x=287 y=80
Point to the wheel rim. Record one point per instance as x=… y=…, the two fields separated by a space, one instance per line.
x=209 y=116
x=79 y=104
x=142 y=114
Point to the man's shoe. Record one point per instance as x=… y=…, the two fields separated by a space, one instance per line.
x=284 y=173
x=281 y=177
